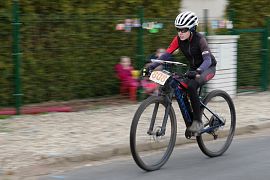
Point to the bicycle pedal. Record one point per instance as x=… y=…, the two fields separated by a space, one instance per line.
x=189 y=135
x=192 y=138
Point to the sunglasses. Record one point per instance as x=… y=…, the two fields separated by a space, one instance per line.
x=183 y=30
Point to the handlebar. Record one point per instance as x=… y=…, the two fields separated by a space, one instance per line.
x=168 y=62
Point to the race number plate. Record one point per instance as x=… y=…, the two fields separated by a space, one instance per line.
x=159 y=77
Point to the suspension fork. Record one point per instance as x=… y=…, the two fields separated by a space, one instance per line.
x=154 y=115
x=168 y=103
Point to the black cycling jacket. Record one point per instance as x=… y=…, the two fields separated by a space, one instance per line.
x=195 y=49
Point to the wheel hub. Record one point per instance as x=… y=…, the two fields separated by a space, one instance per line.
x=157 y=133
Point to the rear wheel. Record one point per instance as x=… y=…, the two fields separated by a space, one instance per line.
x=151 y=149
x=222 y=126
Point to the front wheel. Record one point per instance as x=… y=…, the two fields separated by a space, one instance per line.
x=150 y=147
x=221 y=126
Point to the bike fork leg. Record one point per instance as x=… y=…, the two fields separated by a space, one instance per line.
x=154 y=115
x=165 y=119
x=164 y=122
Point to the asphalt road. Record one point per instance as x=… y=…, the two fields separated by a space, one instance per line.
x=248 y=158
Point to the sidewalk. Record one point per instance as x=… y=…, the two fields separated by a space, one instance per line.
x=96 y=134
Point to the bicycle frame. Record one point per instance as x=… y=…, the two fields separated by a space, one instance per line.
x=183 y=103
x=185 y=109
x=181 y=96
x=210 y=129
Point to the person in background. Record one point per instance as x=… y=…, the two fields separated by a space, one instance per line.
x=157 y=54
x=149 y=86
x=124 y=71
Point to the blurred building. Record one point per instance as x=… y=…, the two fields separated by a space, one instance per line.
x=216 y=7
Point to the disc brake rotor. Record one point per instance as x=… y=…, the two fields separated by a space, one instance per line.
x=156 y=134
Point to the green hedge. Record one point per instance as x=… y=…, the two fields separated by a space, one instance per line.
x=69 y=48
x=250 y=15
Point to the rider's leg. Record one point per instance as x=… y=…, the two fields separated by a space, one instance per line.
x=195 y=103
x=193 y=86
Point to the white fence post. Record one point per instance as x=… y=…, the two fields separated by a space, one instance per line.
x=224 y=48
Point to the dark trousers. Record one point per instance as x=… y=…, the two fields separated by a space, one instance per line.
x=193 y=85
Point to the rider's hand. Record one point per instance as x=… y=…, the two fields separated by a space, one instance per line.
x=191 y=74
x=146 y=71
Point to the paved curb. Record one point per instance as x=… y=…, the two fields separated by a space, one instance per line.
x=35 y=110
x=107 y=152
x=103 y=153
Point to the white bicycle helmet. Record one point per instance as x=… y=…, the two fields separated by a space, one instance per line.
x=186 y=19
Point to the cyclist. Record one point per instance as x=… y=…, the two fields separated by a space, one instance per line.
x=202 y=63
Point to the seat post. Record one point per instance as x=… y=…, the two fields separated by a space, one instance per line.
x=200 y=90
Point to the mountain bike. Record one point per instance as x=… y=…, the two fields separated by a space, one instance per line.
x=154 y=128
